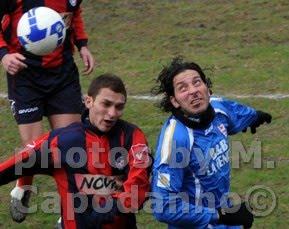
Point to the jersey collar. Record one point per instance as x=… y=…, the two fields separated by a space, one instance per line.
x=200 y=121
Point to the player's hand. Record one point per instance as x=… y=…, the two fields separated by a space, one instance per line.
x=13 y=63
x=87 y=59
x=262 y=117
x=236 y=215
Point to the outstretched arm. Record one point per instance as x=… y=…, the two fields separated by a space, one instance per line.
x=240 y=116
x=33 y=159
x=262 y=117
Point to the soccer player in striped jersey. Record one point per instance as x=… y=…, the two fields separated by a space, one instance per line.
x=101 y=165
x=41 y=86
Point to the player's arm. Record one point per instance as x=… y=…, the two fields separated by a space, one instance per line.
x=4 y=10
x=241 y=117
x=12 y=62
x=80 y=40
x=137 y=184
x=35 y=158
x=134 y=188
x=170 y=204
x=6 y=7
x=79 y=35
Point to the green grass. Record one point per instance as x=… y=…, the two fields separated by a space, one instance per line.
x=240 y=41
x=242 y=44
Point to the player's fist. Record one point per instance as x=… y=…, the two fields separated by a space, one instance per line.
x=262 y=117
x=236 y=215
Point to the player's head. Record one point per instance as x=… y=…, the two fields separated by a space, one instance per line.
x=106 y=101
x=184 y=86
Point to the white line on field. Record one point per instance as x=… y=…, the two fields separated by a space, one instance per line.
x=263 y=96
x=3 y=96
x=248 y=96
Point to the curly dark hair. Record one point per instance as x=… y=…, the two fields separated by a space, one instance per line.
x=166 y=77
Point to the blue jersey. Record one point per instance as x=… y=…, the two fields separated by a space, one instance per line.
x=191 y=172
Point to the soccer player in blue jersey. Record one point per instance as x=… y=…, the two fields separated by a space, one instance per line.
x=191 y=172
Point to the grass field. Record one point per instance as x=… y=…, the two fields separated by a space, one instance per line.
x=242 y=44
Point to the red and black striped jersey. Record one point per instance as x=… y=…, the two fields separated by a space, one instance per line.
x=92 y=166
x=70 y=10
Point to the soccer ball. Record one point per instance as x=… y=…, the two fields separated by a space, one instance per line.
x=41 y=30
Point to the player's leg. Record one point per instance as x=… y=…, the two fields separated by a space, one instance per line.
x=62 y=120
x=20 y=194
x=28 y=133
x=27 y=110
x=65 y=105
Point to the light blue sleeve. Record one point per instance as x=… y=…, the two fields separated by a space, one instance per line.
x=170 y=202
x=239 y=115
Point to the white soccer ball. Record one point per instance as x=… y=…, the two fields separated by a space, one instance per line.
x=41 y=30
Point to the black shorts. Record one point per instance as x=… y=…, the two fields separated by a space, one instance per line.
x=37 y=92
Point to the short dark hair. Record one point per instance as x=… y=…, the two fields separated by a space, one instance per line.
x=166 y=77
x=106 y=80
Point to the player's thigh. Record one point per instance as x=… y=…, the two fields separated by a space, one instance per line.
x=65 y=104
x=26 y=104
x=62 y=120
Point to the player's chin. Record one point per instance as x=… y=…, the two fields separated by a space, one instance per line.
x=107 y=126
x=199 y=109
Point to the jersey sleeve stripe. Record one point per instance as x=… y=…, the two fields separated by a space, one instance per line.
x=221 y=111
x=191 y=137
x=166 y=148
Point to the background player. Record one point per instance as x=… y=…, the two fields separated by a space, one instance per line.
x=42 y=85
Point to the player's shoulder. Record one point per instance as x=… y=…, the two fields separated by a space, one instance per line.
x=219 y=105
x=175 y=130
x=174 y=136
x=126 y=126
x=73 y=127
x=74 y=130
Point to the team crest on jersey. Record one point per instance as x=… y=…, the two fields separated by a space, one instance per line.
x=73 y=2
x=223 y=130
x=164 y=180
x=120 y=162
x=140 y=154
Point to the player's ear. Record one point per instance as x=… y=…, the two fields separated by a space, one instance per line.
x=209 y=85
x=174 y=102
x=88 y=101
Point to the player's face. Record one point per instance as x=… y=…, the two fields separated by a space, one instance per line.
x=191 y=93
x=105 y=109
